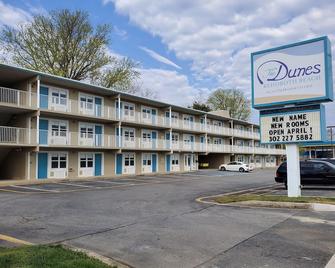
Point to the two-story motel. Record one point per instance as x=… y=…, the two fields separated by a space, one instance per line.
x=53 y=127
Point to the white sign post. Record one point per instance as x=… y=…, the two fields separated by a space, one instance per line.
x=288 y=85
x=293 y=170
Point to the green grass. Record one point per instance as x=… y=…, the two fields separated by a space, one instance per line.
x=274 y=198
x=46 y=257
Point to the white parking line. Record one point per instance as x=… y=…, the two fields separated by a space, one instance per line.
x=113 y=182
x=35 y=189
x=78 y=185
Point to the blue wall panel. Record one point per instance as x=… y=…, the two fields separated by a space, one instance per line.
x=98 y=165
x=119 y=164
x=42 y=166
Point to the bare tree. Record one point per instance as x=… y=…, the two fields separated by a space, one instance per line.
x=65 y=43
x=232 y=100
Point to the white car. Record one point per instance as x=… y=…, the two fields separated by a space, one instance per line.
x=236 y=166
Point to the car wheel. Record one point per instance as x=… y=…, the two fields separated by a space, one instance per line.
x=241 y=170
x=223 y=169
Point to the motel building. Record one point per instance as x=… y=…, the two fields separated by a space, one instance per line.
x=55 y=128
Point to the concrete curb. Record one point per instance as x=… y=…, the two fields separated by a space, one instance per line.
x=268 y=204
x=106 y=260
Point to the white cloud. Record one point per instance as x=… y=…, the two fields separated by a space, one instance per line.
x=159 y=57
x=120 y=32
x=218 y=36
x=169 y=86
x=13 y=16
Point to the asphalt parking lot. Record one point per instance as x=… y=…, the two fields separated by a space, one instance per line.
x=154 y=221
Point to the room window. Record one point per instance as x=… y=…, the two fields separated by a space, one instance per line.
x=129 y=134
x=129 y=110
x=146 y=160
x=129 y=160
x=187 y=139
x=146 y=136
x=175 y=137
x=86 y=160
x=59 y=97
x=86 y=131
x=86 y=102
x=58 y=160
x=240 y=158
x=58 y=129
x=146 y=113
x=217 y=141
x=174 y=160
x=174 y=118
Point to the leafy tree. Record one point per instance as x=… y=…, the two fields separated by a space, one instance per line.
x=197 y=105
x=65 y=43
x=120 y=74
x=232 y=100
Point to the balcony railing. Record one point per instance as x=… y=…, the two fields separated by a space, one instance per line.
x=74 y=107
x=75 y=139
x=17 y=136
x=17 y=98
x=137 y=117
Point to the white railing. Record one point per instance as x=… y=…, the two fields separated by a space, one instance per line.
x=75 y=139
x=17 y=136
x=74 y=107
x=138 y=143
x=219 y=130
x=218 y=148
x=242 y=149
x=14 y=97
x=138 y=117
x=243 y=133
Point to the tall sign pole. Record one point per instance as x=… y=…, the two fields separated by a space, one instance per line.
x=289 y=83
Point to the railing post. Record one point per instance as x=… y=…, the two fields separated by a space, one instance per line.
x=17 y=135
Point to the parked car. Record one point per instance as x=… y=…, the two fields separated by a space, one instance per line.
x=312 y=172
x=329 y=160
x=236 y=166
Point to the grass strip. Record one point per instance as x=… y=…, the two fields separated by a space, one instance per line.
x=274 y=198
x=46 y=257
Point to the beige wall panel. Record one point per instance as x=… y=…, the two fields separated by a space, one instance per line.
x=73 y=168
x=109 y=163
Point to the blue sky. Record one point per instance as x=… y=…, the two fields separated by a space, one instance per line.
x=188 y=48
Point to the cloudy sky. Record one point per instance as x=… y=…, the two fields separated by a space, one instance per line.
x=188 y=48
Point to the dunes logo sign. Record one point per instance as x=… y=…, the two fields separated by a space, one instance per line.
x=275 y=70
x=291 y=74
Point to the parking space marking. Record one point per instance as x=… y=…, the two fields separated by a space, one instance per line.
x=113 y=182
x=33 y=188
x=77 y=185
x=129 y=182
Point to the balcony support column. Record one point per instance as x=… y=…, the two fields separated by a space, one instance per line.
x=170 y=117
x=29 y=128
x=171 y=149
x=38 y=85
x=29 y=93
x=119 y=106
x=37 y=129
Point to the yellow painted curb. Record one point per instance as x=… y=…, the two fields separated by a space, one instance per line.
x=15 y=240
